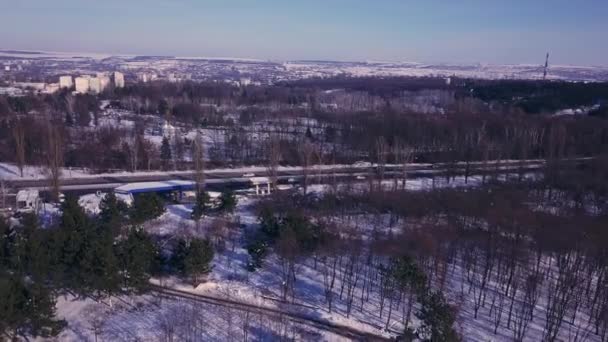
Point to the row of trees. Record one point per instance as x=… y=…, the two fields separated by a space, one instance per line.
x=95 y=257
x=493 y=128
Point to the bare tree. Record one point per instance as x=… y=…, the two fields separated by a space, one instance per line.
x=381 y=156
x=95 y=316
x=54 y=155
x=307 y=151
x=133 y=144
x=198 y=161
x=403 y=156
x=19 y=137
x=273 y=151
x=287 y=249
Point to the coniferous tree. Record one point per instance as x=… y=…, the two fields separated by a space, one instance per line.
x=437 y=319
x=146 y=207
x=165 y=152
x=26 y=309
x=76 y=232
x=228 y=201
x=193 y=259
x=201 y=206
x=198 y=259
x=37 y=259
x=112 y=213
x=257 y=249
x=138 y=259
x=269 y=223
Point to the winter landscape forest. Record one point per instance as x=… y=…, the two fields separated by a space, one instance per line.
x=160 y=198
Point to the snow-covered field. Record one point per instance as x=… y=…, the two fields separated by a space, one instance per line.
x=207 y=67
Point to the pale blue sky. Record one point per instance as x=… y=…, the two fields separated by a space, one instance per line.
x=461 y=31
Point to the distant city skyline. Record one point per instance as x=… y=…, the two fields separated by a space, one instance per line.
x=467 y=31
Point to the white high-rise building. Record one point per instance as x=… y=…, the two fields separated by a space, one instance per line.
x=66 y=82
x=119 y=80
x=104 y=82
x=82 y=84
x=95 y=85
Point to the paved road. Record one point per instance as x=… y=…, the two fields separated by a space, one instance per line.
x=238 y=176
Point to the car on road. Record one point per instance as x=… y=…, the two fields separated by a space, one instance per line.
x=362 y=164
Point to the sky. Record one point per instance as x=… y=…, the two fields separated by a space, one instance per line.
x=447 y=31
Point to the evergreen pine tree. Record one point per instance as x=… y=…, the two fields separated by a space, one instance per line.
x=146 y=207
x=179 y=255
x=112 y=213
x=138 y=256
x=26 y=309
x=75 y=234
x=198 y=259
x=437 y=319
x=165 y=152
x=193 y=259
x=228 y=201
x=201 y=206
x=257 y=249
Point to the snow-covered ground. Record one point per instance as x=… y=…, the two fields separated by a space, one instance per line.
x=147 y=318
x=272 y=71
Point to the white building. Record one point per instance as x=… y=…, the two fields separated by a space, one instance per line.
x=66 y=82
x=119 y=80
x=7 y=68
x=51 y=88
x=95 y=85
x=245 y=82
x=104 y=82
x=82 y=84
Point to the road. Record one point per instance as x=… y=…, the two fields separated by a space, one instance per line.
x=297 y=317
x=213 y=177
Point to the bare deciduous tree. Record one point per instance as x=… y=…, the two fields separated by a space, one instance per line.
x=19 y=138
x=381 y=157
x=54 y=157
x=307 y=151
x=199 y=162
x=273 y=150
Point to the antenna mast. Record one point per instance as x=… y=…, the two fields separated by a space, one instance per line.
x=546 y=67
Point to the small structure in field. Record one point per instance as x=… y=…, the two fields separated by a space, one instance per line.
x=260 y=183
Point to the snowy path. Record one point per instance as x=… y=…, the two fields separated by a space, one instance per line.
x=298 y=317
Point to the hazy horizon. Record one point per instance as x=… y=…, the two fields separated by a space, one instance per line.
x=470 y=32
